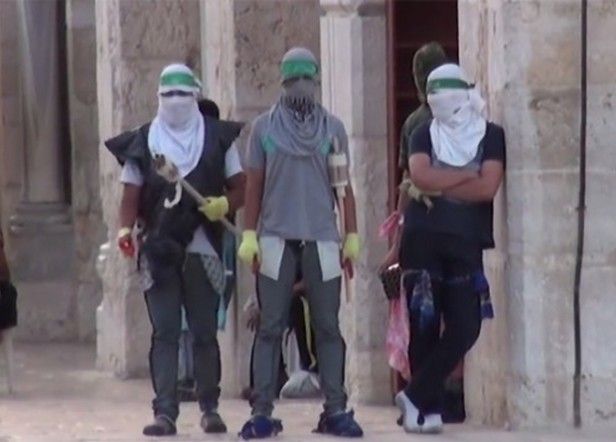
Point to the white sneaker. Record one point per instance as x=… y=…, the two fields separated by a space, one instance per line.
x=433 y=424
x=410 y=413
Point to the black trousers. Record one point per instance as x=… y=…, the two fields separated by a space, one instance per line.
x=190 y=287
x=451 y=262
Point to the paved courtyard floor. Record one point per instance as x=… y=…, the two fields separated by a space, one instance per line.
x=61 y=397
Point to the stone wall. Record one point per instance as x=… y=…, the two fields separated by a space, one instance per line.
x=528 y=55
x=135 y=40
x=599 y=271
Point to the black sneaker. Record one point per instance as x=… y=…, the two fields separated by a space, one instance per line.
x=162 y=426
x=212 y=423
x=339 y=424
x=260 y=427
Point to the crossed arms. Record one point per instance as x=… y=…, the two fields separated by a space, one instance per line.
x=464 y=185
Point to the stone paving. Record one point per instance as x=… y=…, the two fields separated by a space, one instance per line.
x=60 y=397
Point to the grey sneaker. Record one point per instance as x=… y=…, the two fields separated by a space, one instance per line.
x=212 y=423
x=162 y=426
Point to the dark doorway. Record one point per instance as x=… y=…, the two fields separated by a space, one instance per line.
x=412 y=23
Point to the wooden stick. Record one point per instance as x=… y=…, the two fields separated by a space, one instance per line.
x=169 y=172
x=201 y=200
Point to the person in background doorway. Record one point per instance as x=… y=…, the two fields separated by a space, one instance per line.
x=304 y=383
x=186 y=376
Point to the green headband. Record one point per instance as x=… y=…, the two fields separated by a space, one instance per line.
x=178 y=79
x=298 y=68
x=447 y=83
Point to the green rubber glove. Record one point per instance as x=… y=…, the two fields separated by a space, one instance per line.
x=351 y=248
x=249 y=248
x=215 y=208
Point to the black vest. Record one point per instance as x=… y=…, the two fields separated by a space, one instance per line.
x=169 y=231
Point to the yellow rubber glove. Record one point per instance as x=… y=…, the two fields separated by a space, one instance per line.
x=416 y=193
x=249 y=248
x=351 y=247
x=215 y=208
x=419 y=195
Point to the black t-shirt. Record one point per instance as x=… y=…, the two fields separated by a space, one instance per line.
x=470 y=220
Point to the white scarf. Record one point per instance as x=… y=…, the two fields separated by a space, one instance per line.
x=458 y=126
x=178 y=130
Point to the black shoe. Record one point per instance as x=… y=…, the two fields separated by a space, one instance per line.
x=260 y=427
x=212 y=423
x=453 y=410
x=339 y=424
x=162 y=426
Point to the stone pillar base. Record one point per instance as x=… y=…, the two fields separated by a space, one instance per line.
x=42 y=265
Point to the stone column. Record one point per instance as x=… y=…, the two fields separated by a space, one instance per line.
x=39 y=215
x=39 y=23
x=135 y=40
x=85 y=204
x=243 y=42
x=487 y=365
x=528 y=55
x=11 y=123
x=353 y=48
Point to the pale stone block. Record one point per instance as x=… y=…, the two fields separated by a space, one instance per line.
x=541 y=212
x=541 y=357
x=534 y=402
x=541 y=128
x=601 y=128
x=358 y=100
x=258 y=54
x=543 y=39
x=163 y=29
x=46 y=310
x=598 y=399
x=598 y=288
x=82 y=65
x=600 y=233
x=601 y=66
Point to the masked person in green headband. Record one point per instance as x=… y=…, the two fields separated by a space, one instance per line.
x=291 y=223
x=462 y=156
x=180 y=247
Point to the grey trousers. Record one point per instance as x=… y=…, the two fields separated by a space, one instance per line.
x=190 y=287
x=275 y=302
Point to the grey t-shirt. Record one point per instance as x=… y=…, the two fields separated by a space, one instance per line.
x=298 y=201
